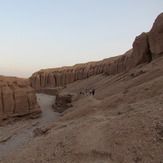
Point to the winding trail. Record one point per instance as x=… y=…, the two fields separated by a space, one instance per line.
x=18 y=134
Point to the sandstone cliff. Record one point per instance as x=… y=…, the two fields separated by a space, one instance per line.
x=61 y=76
x=17 y=98
x=146 y=47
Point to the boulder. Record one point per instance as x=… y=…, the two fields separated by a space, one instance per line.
x=64 y=101
x=141 y=50
x=156 y=37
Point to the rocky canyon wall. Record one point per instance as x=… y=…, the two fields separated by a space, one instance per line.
x=17 y=98
x=61 y=76
x=146 y=47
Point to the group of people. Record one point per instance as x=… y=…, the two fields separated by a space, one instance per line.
x=87 y=91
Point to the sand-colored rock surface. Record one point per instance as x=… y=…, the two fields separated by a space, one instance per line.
x=156 y=37
x=17 y=98
x=64 y=101
x=51 y=78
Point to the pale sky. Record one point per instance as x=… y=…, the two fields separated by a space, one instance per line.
x=39 y=34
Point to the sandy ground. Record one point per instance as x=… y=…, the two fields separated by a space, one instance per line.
x=17 y=135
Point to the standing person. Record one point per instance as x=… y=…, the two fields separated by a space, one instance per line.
x=93 y=91
x=90 y=91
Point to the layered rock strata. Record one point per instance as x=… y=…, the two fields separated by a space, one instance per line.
x=51 y=78
x=146 y=47
x=17 y=98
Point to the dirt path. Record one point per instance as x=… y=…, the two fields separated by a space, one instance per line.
x=16 y=135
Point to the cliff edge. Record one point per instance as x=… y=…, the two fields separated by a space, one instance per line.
x=146 y=48
x=17 y=98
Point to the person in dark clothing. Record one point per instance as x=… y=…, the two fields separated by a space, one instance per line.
x=93 y=92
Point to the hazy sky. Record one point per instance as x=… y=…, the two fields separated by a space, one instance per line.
x=38 y=34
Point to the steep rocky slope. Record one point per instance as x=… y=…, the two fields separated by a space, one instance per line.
x=122 y=123
x=17 y=98
x=146 y=47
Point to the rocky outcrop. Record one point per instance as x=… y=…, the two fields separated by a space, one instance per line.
x=64 y=101
x=146 y=47
x=17 y=98
x=156 y=37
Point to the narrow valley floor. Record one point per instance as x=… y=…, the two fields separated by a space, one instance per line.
x=18 y=134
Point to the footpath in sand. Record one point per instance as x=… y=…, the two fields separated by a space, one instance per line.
x=16 y=135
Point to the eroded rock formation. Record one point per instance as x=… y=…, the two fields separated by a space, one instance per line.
x=64 y=101
x=146 y=47
x=51 y=78
x=156 y=37
x=17 y=98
